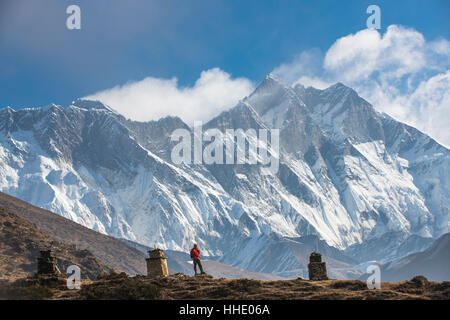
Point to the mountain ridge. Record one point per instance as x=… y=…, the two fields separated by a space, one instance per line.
x=347 y=174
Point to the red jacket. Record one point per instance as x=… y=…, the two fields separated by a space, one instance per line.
x=195 y=253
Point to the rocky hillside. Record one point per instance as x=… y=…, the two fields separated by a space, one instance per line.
x=20 y=242
x=109 y=250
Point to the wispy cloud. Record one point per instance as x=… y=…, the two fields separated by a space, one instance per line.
x=153 y=98
x=399 y=72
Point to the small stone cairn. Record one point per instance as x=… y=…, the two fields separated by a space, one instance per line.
x=47 y=264
x=157 y=264
x=48 y=273
x=316 y=268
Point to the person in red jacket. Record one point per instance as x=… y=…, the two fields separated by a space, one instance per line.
x=195 y=255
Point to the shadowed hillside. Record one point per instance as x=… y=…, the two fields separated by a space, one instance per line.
x=434 y=263
x=21 y=241
x=111 y=251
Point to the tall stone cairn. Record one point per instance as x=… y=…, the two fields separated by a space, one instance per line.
x=316 y=268
x=47 y=264
x=157 y=264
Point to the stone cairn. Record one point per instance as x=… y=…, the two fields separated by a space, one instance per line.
x=48 y=273
x=47 y=264
x=157 y=264
x=316 y=268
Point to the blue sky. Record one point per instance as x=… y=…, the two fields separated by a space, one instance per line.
x=42 y=62
x=195 y=58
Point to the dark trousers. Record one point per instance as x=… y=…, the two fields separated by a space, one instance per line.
x=197 y=262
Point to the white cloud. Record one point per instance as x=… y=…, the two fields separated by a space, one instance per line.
x=153 y=98
x=441 y=46
x=399 y=72
x=306 y=64
x=357 y=56
x=426 y=108
x=315 y=82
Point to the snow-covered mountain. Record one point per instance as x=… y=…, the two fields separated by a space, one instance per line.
x=348 y=174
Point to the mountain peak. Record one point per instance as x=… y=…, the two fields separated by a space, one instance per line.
x=52 y=106
x=7 y=109
x=91 y=104
x=339 y=86
x=270 y=81
x=272 y=77
x=268 y=94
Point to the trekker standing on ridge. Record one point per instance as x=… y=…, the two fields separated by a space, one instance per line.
x=195 y=255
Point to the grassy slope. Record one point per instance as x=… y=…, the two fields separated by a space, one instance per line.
x=20 y=242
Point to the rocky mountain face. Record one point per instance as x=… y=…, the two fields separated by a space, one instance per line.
x=347 y=174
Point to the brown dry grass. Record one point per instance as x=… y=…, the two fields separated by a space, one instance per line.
x=204 y=287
